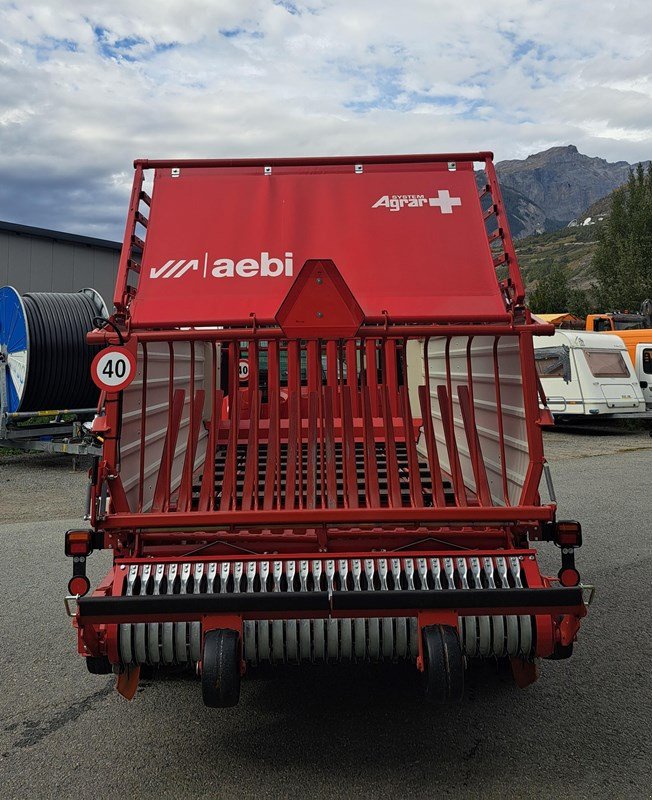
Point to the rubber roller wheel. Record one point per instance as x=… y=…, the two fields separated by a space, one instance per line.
x=98 y=665
x=444 y=664
x=561 y=652
x=220 y=669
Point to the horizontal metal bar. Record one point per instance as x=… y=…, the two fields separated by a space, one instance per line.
x=528 y=599
x=29 y=414
x=305 y=517
x=242 y=330
x=199 y=604
x=325 y=161
x=55 y=446
x=194 y=606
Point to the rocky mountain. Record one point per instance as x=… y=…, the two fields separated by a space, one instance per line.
x=544 y=191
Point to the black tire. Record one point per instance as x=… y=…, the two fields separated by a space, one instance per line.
x=98 y=665
x=561 y=652
x=220 y=669
x=444 y=664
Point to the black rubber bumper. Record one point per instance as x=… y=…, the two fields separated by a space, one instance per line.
x=194 y=606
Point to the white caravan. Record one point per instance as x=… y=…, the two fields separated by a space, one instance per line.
x=588 y=374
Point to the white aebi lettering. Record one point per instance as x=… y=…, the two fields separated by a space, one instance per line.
x=266 y=267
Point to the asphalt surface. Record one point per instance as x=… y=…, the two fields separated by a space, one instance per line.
x=582 y=731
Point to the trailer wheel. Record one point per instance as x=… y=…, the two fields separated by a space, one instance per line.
x=98 y=665
x=220 y=669
x=561 y=652
x=444 y=664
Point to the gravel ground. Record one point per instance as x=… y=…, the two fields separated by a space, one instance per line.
x=37 y=487
x=582 y=731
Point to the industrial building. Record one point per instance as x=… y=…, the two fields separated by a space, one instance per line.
x=41 y=260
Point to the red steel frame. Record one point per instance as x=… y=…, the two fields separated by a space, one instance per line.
x=306 y=517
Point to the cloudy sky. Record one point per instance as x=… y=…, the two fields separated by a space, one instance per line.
x=85 y=87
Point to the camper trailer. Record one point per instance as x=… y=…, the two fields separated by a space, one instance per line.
x=588 y=374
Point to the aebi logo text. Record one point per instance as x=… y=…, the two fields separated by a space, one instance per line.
x=264 y=266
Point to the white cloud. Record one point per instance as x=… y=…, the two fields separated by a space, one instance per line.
x=85 y=88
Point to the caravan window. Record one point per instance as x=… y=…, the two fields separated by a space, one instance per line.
x=550 y=367
x=606 y=364
x=647 y=361
x=553 y=362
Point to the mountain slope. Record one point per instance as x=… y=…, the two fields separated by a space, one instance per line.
x=546 y=190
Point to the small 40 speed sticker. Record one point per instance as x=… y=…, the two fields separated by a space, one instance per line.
x=113 y=369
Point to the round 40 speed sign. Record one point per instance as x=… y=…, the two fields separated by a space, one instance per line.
x=113 y=369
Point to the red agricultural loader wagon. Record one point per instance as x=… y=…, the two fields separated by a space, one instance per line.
x=321 y=429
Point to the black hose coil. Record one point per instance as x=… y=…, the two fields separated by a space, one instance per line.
x=59 y=365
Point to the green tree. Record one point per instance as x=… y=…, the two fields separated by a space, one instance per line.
x=622 y=263
x=553 y=293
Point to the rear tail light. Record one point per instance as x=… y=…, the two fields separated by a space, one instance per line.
x=78 y=585
x=569 y=577
x=569 y=533
x=78 y=543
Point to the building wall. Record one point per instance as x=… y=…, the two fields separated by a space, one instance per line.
x=32 y=260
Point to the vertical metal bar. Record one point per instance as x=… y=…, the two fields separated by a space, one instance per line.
x=372 y=490
x=532 y=480
x=293 y=434
x=436 y=478
x=390 y=377
x=143 y=429
x=451 y=445
x=294 y=380
x=250 y=488
x=316 y=365
x=352 y=374
x=471 y=430
x=279 y=464
x=185 y=490
x=191 y=394
x=348 y=451
x=217 y=398
x=372 y=374
x=273 y=467
x=393 y=482
x=207 y=491
x=229 y=481
x=499 y=416
x=475 y=451
x=311 y=466
x=503 y=226
x=332 y=373
x=330 y=463
x=121 y=283
x=416 y=492
x=161 y=491
x=313 y=366
x=170 y=453
x=294 y=366
x=425 y=399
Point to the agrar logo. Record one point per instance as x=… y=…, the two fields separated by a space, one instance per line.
x=396 y=202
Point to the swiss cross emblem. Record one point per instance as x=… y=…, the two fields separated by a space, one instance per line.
x=444 y=201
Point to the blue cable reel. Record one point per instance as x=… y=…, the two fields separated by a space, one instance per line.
x=44 y=357
x=14 y=346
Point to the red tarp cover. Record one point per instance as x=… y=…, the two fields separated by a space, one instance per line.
x=225 y=242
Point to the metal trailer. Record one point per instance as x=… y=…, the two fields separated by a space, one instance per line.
x=322 y=433
x=49 y=431
x=58 y=430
